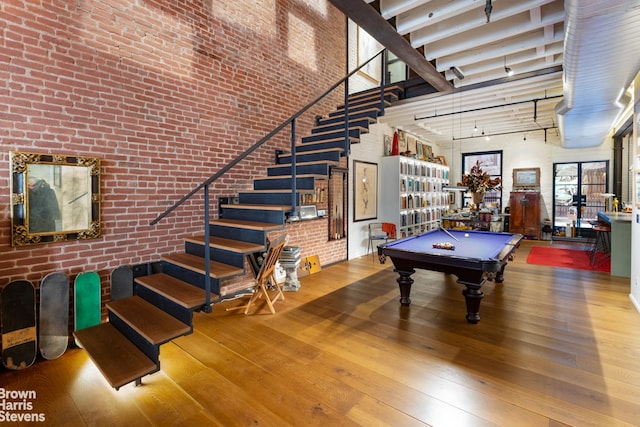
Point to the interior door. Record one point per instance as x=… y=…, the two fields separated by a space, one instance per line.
x=578 y=189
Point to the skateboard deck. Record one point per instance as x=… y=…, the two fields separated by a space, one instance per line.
x=18 y=324
x=121 y=283
x=53 y=333
x=86 y=295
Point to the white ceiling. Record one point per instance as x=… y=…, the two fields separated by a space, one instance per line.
x=574 y=57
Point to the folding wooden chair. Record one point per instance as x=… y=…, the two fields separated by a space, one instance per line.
x=265 y=280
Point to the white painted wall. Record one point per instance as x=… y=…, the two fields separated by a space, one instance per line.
x=370 y=149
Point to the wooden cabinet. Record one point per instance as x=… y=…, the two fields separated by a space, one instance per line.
x=524 y=209
x=411 y=194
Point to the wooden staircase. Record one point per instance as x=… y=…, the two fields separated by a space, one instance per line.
x=127 y=347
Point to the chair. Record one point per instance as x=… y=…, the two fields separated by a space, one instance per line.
x=265 y=279
x=380 y=231
x=603 y=241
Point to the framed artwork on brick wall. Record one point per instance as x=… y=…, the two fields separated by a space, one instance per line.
x=365 y=190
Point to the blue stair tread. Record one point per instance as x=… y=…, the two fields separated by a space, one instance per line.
x=280 y=191
x=152 y=323
x=217 y=270
x=255 y=206
x=322 y=150
x=176 y=290
x=298 y=176
x=249 y=225
x=299 y=163
x=119 y=360
x=352 y=139
x=228 y=244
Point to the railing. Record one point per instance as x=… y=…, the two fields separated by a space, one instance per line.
x=292 y=121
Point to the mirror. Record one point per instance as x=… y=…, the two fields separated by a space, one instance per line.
x=54 y=198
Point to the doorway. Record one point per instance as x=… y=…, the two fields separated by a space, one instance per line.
x=578 y=189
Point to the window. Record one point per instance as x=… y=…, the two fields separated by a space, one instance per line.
x=491 y=163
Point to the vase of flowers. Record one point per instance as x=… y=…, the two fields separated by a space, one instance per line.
x=478 y=182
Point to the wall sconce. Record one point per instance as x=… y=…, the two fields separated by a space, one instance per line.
x=475 y=126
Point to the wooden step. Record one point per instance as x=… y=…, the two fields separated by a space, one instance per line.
x=217 y=270
x=228 y=244
x=300 y=176
x=324 y=150
x=155 y=325
x=119 y=360
x=182 y=293
x=283 y=208
x=303 y=191
x=300 y=148
x=367 y=104
x=249 y=225
x=299 y=163
x=391 y=91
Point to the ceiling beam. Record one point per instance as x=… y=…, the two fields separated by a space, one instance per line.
x=374 y=24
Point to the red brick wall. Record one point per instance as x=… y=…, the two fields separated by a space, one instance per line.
x=165 y=93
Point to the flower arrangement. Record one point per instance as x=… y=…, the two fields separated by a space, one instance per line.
x=478 y=181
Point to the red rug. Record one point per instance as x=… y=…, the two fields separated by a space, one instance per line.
x=568 y=258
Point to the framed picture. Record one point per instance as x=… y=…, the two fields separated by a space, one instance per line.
x=365 y=190
x=526 y=177
x=402 y=141
x=441 y=160
x=411 y=144
x=428 y=151
x=388 y=140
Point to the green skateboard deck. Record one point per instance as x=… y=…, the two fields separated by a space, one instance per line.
x=121 y=283
x=86 y=295
x=53 y=332
x=18 y=324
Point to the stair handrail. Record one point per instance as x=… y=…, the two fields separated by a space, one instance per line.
x=264 y=139
x=205 y=184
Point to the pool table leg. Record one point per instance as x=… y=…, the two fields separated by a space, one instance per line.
x=500 y=274
x=472 y=297
x=404 y=282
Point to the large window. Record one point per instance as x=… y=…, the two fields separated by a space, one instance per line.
x=491 y=163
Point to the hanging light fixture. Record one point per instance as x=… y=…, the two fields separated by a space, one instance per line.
x=507 y=70
x=487 y=10
x=457 y=72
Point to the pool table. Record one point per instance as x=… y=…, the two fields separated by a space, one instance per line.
x=472 y=256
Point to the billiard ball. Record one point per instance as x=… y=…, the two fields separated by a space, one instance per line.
x=466 y=234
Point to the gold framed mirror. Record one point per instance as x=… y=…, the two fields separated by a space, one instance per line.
x=54 y=198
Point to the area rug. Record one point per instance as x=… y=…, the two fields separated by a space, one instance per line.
x=568 y=258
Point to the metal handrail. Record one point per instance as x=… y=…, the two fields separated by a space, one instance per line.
x=257 y=145
x=205 y=184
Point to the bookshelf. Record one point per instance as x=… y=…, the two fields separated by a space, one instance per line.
x=412 y=195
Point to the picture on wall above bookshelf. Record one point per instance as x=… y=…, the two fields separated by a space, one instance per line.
x=412 y=194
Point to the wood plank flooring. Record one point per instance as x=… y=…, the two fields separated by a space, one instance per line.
x=554 y=347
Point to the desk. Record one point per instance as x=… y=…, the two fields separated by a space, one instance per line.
x=480 y=256
x=620 y=241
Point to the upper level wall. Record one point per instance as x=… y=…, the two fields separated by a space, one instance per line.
x=165 y=93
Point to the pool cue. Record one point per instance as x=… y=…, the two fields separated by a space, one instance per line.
x=450 y=235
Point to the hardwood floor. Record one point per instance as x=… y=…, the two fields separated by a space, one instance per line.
x=553 y=347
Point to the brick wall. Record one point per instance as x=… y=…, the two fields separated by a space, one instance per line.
x=165 y=93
